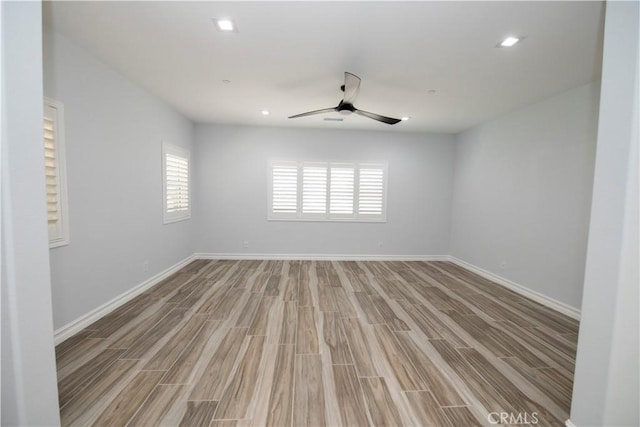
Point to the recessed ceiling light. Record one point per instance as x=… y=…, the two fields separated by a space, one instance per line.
x=225 y=24
x=509 y=41
x=405 y=118
x=265 y=112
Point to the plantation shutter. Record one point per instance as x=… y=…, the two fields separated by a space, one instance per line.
x=327 y=191
x=284 y=188
x=177 y=183
x=55 y=173
x=51 y=168
x=341 y=191
x=371 y=191
x=177 y=192
x=314 y=189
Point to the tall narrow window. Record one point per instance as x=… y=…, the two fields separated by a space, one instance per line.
x=176 y=183
x=55 y=174
x=327 y=191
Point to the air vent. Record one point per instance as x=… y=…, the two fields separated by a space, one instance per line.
x=333 y=119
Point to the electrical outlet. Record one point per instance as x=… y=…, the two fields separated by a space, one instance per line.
x=145 y=266
x=245 y=244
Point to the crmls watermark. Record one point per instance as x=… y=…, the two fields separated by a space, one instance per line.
x=521 y=418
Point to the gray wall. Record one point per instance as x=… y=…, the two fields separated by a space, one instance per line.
x=522 y=193
x=232 y=177
x=114 y=133
x=29 y=389
x=606 y=388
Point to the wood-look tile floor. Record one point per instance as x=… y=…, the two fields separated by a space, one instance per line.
x=296 y=343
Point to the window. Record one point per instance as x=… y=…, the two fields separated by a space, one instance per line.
x=327 y=191
x=55 y=174
x=314 y=190
x=176 y=183
x=284 y=181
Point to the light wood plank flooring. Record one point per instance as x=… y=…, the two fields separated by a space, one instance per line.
x=296 y=343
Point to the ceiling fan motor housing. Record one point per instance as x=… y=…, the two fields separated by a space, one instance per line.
x=345 y=109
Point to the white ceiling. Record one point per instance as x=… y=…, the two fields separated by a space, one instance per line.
x=290 y=57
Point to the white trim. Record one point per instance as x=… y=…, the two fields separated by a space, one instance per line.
x=554 y=304
x=568 y=423
x=321 y=257
x=85 y=320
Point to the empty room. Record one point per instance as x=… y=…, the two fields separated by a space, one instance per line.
x=319 y=213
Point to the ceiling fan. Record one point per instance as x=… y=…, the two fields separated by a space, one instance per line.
x=351 y=88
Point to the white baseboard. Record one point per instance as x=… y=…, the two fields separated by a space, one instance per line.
x=556 y=305
x=321 y=257
x=82 y=322
x=568 y=423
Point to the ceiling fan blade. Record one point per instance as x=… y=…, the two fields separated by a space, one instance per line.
x=351 y=88
x=311 y=113
x=378 y=117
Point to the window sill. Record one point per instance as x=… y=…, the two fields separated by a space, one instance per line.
x=377 y=220
x=172 y=220
x=58 y=243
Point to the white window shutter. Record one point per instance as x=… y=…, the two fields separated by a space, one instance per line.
x=284 y=188
x=371 y=191
x=342 y=191
x=314 y=189
x=51 y=171
x=55 y=173
x=327 y=191
x=177 y=192
x=177 y=183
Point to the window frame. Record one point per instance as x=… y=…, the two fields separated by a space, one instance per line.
x=59 y=237
x=182 y=215
x=299 y=215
